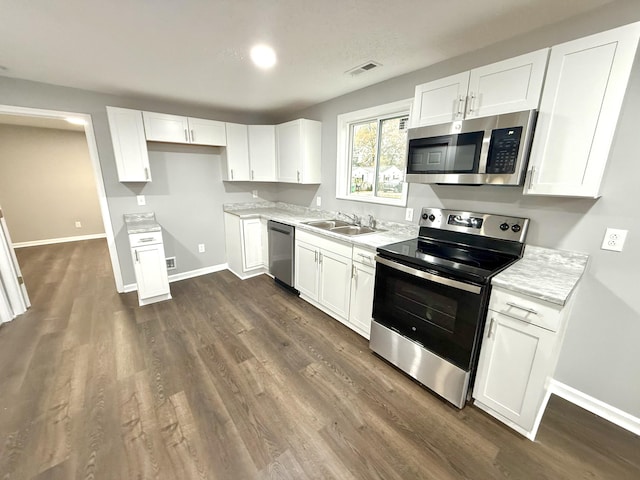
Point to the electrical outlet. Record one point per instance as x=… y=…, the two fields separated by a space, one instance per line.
x=201 y=248
x=78 y=224
x=614 y=239
x=141 y=200
x=318 y=201
x=408 y=215
x=171 y=263
x=254 y=193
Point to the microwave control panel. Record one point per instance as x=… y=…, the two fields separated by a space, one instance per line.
x=503 y=150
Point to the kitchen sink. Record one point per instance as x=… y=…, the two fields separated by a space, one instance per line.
x=341 y=227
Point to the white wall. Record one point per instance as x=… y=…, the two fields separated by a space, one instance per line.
x=599 y=356
x=47 y=184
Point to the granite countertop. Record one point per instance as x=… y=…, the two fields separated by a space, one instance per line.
x=544 y=273
x=295 y=216
x=141 y=223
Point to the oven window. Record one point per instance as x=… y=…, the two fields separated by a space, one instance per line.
x=441 y=318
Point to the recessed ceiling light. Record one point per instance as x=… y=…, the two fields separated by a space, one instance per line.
x=263 y=56
x=76 y=120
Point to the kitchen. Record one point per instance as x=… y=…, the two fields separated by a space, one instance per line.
x=595 y=360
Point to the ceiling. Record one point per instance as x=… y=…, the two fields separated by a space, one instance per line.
x=197 y=51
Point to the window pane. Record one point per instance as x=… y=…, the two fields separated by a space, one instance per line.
x=364 y=145
x=393 y=159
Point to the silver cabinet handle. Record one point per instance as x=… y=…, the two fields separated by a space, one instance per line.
x=251 y=174
x=525 y=309
x=460 y=105
x=320 y=257
x=137 y=259
x=368 y=257
x=472 y=99
x=146 y=173
x=298 y=172
x=490 y=331
x=316 y=256
x=533 y=171
x=186 y=136
x=354 y=272
x=232 y=174
x=147 y=239
x=193 y=137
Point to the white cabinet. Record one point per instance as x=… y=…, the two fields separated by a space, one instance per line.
x=262 y=153
x=323 y=273
x=502 y=87
x=298 y=151
x=149 y=264
x=363 y=275
x=245 y=239
x=250 y=153
x=162 y=127
x=518 y=355
x=129 y=144
x=584 y=89
x=235 y=157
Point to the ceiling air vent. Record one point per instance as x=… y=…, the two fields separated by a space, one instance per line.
x=365 y=67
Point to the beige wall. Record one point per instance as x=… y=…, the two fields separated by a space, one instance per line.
x=47 y=184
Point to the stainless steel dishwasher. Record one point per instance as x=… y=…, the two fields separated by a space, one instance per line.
x=281 y=253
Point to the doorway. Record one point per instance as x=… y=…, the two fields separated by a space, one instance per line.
x=38 y=115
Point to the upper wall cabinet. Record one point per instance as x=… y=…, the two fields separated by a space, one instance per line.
x=584 y=89
x=298 y=151
x=507 y=86
x=250 y=154
x=161 y=127
x=129 y=144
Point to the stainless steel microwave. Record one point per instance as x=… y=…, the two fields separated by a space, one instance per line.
x=490 y=150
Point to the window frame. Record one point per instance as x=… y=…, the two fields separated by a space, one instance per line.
x=343 y=166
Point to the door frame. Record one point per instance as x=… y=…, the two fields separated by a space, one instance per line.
x=97 y=174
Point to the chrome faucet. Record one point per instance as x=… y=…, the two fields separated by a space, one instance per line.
x=371 y=221
x=353 y=217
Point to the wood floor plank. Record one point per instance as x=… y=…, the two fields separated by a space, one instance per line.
x=235 y=380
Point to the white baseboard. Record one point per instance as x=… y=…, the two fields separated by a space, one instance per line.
x=196 y=273
x=595 y=406
x=132 y=287
x=51 y=241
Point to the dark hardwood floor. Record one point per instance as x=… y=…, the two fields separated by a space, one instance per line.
x=240 y=380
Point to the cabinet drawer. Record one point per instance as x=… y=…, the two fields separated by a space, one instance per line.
x=138 y=239
x=526 y=309
x=364 y=256
x=324 y=243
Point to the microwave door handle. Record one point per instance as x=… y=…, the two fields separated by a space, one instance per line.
x=429 y=276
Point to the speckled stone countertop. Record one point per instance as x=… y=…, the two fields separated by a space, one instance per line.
x=295 y=215
x=141 y=223
x=544 y=273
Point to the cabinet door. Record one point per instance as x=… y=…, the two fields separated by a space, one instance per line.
x=207 y=132
x=251 y=243
x=361 y=307
x=440 y=101
x=515 y=361
x=161 y=127
x=584 y=89
x=335 y=282
x=512 y=85
x=288 y=138
x=129 y=144
x=151 y=271
x=236 y=153
x=262 y=153
x=306 y=268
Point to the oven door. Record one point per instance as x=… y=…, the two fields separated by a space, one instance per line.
x=440 y=313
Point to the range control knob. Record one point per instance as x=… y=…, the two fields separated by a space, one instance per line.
x=425 y=216
x=516 y=228
x=504 y=226
x=432 y=217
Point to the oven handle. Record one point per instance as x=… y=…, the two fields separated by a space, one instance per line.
x=429 y=276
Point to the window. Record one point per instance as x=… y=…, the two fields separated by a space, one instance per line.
x=372 y=154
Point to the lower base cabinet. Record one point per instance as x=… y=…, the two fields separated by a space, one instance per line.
x=246 y=242
x=149 y=264
x=519 y=352
x=337 y=278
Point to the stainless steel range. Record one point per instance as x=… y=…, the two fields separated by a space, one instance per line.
x=432 y=292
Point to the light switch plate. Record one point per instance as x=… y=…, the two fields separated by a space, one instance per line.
x=254 y=193
x=318 y=201
x=408 y=215
x=141 y=200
